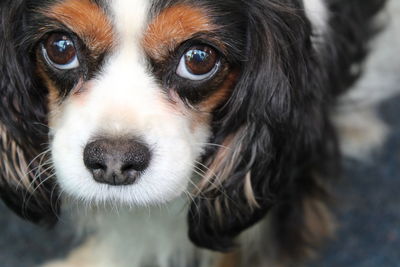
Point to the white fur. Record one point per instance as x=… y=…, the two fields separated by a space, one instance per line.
x=125 y=100
x=317 y=13
x=136 y=238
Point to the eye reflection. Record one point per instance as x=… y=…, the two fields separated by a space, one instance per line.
x=60 y=52
x=198 y=63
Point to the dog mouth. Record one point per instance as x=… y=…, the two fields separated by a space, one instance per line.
x=125 y=169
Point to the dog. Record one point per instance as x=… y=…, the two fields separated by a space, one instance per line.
x=178 y=132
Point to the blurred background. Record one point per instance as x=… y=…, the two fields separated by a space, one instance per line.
x=368 y=196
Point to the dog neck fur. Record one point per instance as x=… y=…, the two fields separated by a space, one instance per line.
x=147 y=236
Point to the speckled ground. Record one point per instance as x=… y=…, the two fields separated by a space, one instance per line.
x=369 y=209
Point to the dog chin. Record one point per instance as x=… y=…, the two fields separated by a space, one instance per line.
x=142 y=193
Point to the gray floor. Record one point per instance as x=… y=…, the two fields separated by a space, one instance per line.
x=368 y=210
x=369 y=206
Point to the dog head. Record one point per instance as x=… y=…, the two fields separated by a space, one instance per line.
x=124 y=101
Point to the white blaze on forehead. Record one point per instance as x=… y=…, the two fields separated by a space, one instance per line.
x=125 y=80
x=130 y=17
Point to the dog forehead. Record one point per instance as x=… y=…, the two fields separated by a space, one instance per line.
x=130 y=18
x=159 y=24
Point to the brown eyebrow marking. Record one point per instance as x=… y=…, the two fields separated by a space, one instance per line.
x=173 y=26
x=87 y=20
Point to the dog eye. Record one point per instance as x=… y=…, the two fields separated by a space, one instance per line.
x=198 y=63
x=59 y=51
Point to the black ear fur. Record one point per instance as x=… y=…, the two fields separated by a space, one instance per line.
x=282 y=147
x=24 y=187
x=276 y=124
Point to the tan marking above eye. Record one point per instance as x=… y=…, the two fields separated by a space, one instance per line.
x=173 y=26
x=87 y=20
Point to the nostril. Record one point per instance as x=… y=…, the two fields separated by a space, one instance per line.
x=98 y=166
x=136 y=157
x=94 y=159
x=128 y=168
x=98 y=171
x=129 y=172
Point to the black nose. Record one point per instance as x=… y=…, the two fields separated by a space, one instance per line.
x=116 y=162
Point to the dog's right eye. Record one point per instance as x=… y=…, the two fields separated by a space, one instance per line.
x=60 y=52
x=198 y=63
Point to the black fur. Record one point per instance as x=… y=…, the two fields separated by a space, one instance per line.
x=23 y=119
x=280 y=107
x=277 y=113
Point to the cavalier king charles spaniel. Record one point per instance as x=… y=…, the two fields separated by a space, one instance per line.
x=177 y=132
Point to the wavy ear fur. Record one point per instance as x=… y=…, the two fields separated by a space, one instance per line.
x=25 y=184
x=278 y=147
x=274 y=132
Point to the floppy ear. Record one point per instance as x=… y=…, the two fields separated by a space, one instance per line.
x=270 y=131
x=25 y=174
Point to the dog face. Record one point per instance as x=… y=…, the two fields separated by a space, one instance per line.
x=147 y=81
x=134 y=97
x=127 y=88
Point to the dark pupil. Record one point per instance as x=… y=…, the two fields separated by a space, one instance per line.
x=60 y=49
x=200 y=60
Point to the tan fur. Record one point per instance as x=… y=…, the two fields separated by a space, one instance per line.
x=20 y=172
x=53 y=98
x=319 y=222
x=87 y=20
x=249 y=193
x=201 y=114
x=172 y=27
x=80 y=256
x=220 y=169
x=221 y=94
x=15 y=166
x=53 y=93
x=221 y=165
x=229 y=260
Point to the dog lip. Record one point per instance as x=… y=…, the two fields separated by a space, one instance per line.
x=115 y=178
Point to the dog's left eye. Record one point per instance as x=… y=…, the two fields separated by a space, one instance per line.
x=60 y=52
x=198 y=63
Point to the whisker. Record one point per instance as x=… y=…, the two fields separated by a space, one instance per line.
x=41 y=164
x=30 y=173
x=37 y=156
x=42 y=182
x=215 y=145
x=213 y=176
x=189 y=195
x=216 y=183
x=53 y=208
x=38 y=176
x=27 y=200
